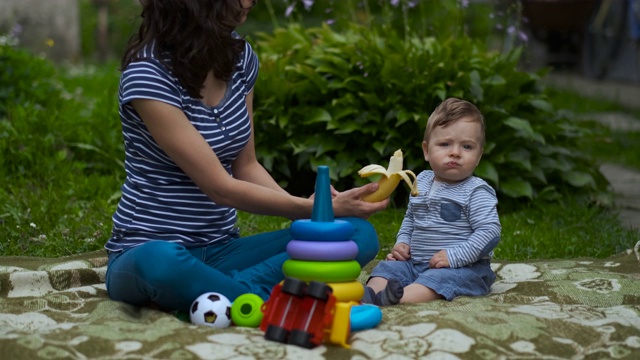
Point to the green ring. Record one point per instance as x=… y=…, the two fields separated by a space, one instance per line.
x=245 y=310
x=323 y=271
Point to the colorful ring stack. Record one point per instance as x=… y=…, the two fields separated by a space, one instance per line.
x=322 y=249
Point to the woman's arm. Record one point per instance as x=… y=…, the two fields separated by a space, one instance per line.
x=246 y=166
x=347 y=203
x=185 y=145
x=254 y=191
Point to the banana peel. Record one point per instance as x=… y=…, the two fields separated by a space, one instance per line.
x=390 y=178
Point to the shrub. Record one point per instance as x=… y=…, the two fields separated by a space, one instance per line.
x=46 y=125
x=352 y=98
x=28 y=92
x=26 y=80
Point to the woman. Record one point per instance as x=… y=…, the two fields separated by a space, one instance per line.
x=185 y=104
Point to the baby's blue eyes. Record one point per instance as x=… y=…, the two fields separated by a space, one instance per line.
x=466 y=146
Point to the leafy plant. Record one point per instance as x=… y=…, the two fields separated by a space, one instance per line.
x=26 y=80
x=352 y=98
x=122 y=18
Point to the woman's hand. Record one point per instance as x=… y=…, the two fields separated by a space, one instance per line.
x=400 y=252
x=334 y=193
x=350 y=203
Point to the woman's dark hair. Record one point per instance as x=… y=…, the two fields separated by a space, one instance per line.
x=196 y=33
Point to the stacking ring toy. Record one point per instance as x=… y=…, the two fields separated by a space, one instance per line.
x=347 y=291
x=246 y=310
x=323 y=271
x=306 y=229
x=322 y=250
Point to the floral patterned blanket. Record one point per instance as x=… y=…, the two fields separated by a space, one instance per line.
x=579 y=308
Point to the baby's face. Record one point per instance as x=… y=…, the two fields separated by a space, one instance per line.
x=454 y=151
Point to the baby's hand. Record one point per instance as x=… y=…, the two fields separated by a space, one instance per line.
x=439 y=260
x=400 y=252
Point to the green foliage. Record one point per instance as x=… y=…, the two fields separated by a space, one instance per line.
x=122 y=21
x=45 y=116
x=350 y=99
x=60 y=151
x=617 y=146
x=437 y=18
x=26 y=80
x=343 y=99
x=569 y=229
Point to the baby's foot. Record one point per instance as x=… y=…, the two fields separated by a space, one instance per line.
x=391 y=294
x=369 y=295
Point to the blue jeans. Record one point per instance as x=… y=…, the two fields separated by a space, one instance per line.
x=172 y=276
x=471 y=280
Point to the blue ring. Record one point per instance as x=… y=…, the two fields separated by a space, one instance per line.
x=365 y=316
x=306 y=229
x=322 y=251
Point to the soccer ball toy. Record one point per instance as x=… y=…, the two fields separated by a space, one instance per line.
x=211 y=309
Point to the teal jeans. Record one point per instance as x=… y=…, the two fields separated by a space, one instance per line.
x=171 y=276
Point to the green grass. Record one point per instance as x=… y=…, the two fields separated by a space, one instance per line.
x=570 y=231
x=607 y=145
x=61 y=171
x=565 y=231
x=615 y=146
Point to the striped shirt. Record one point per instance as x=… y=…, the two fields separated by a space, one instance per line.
x=159 y=201
x=460 y=218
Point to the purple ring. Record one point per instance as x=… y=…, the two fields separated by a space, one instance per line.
x=322 y=250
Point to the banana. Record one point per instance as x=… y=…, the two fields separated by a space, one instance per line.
x=390 y=178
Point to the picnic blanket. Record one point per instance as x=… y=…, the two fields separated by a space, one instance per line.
x=556 y=309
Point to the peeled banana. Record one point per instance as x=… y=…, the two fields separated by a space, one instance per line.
x=390 y=178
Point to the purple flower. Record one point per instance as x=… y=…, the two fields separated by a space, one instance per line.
x=289 y=9
x=523 y=36
x=395 y=3
x=307 y=4
x=15 y=30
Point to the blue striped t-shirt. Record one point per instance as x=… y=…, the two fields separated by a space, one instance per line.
x=461 y=218
x=159 y=201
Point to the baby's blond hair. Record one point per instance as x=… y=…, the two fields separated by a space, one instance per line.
x=450 y=111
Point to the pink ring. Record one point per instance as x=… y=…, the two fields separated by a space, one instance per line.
x=322 y=250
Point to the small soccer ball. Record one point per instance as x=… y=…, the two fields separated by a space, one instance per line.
x=211 y=309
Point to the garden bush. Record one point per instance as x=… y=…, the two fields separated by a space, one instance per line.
x=352 y=98
x=45 y=121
